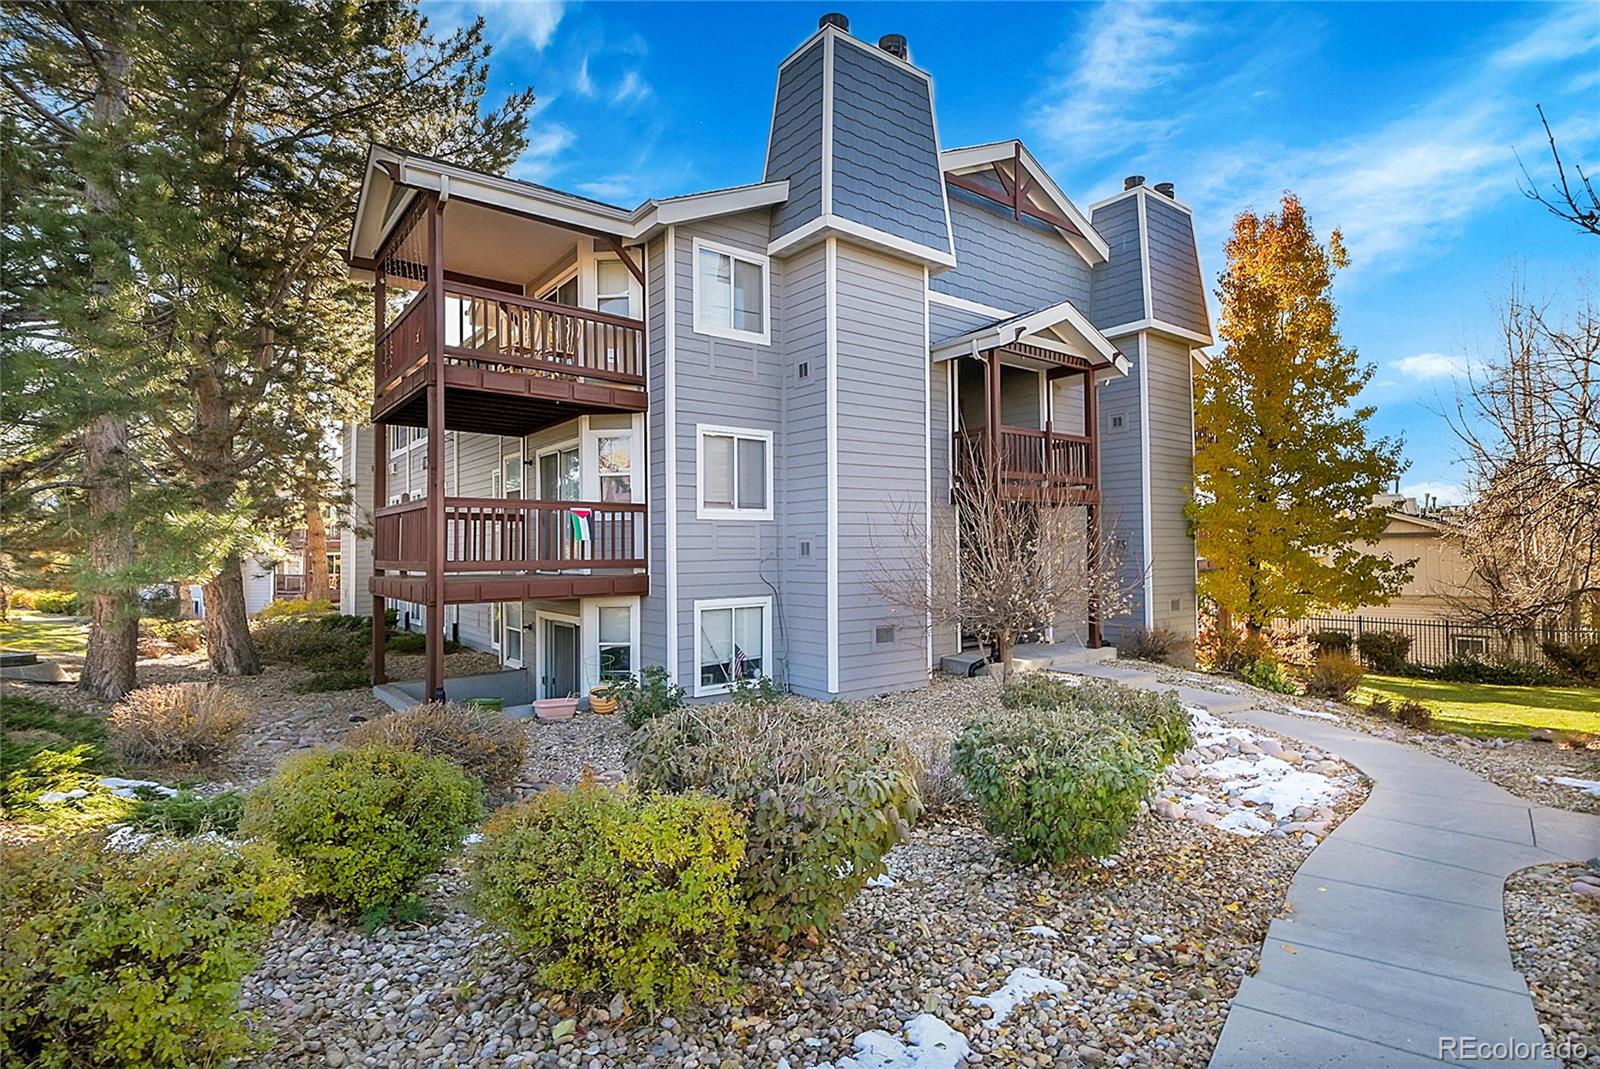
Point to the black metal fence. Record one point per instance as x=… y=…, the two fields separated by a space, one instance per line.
x=1433 y=642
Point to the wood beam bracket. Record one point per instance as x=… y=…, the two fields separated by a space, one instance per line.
x=633 y=269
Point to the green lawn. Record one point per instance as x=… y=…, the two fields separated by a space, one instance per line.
x=1483 y=709
x=33 y=633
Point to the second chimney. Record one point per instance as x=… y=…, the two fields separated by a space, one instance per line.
x=895 y=45
x=1133 y=181
x=833 y=18
x=1164 y=188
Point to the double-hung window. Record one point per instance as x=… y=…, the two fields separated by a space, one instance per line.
x=611 y=287
x=615 y=641
x=732 y=642
x=730 y=293
x=735 y=473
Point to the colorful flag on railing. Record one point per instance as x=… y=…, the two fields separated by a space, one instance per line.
x=581 y=530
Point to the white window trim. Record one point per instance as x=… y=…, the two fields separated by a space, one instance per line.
x=765 y=603
x=631 y=292
x=568 y=446
x=761 y=260
x=589 y=459
x=713 y=512
x=540 y=617
x=589 y=635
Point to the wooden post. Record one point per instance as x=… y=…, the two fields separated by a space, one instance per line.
x=433 y=684
x=992 y=388
x=1091 y=429
x=380 y=482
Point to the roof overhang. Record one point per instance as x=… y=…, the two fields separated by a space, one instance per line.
x=1001 y=158
x=1059 y=329
x=389 y=170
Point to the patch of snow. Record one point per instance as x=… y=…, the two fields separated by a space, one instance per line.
x=1149 y=940
x=471 y=839
x=926 y=1042
x=1044 y=931
x=1243 y=822
x=124 y=788
x=882 y=881
x=1587 y=786
x=1313 y=714
x=1024 y=983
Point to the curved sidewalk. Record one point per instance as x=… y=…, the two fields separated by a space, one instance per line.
x=1393 y=935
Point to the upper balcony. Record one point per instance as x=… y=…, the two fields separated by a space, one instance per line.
x=516 y=355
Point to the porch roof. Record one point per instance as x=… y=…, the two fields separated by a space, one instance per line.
x=1053 y=334
x=393 y=177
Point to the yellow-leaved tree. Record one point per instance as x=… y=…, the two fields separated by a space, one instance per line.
x=1284 y=470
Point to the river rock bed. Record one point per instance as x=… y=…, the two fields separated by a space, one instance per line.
x=1553 y=926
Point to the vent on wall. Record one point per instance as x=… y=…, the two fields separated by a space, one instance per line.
x=883 y=634
x=804 y=369
x=805 y=547
x=1116 y=423
x=1177 y=603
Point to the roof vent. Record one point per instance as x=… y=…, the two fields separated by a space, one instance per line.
x=1164 y=188
x=833 y=18
x=894 y=44
x=1132 y=181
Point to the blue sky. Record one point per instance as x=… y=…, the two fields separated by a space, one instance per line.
x=1398 y=123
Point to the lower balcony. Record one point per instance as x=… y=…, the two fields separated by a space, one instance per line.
x=1038 y=465
x=504 y=549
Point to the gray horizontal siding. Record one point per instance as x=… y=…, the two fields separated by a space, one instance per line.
x=1119 y=282
x=885 y=155
x=947 y=636
x=882 y=467
x=945 y=322
x=803 y=471
x=1176 y=288
x=1172 y=558
x=1006 y=264
x=795 y=149
x=653 y=608
x=1121 y=486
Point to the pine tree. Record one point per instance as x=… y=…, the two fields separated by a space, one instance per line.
x=1285 y=474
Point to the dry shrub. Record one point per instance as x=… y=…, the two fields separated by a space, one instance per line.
x=938 y=784
x=483 y=742
x=177 y=723
x=1335 y=675
x=1160 y=644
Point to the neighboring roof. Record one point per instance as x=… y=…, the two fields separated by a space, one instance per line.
x=389 y=167
x=1059 y=327
x=1090 y=245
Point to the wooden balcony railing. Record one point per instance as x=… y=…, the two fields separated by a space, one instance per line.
x=1035 y=460
x=486 y=534
x=489 y=328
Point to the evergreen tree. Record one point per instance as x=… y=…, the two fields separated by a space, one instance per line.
x=1284 y=471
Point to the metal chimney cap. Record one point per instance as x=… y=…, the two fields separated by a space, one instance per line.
x=895 y=45
x=833 y=18
x=1132 y=181
x=1164 y=188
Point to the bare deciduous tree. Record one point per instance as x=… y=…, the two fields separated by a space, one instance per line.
x=1002 y=568
x=1529 y=421
x=1576 y=202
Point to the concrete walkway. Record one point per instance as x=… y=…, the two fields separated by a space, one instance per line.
x=1393 y=935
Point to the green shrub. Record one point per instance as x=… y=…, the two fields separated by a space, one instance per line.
x=824 y=799
x=612 y=891
x=1334 y=675
x=1056 y=784
x=760 y=690
x=1505 y=673
x=1159 y=717
x=177 y=723
x=182 y=635
x=50 y=751
x=296 y=608
x=23 y=599
x=120 y=959
x=1385 y=651
x=1160 y=644
x=1580 y=661
x=186 y=814
x=650 y=696
x=1330 y=641
x=483 y=742
x=301 y=641
x=56 y=602
x=1268 y=675
x=365 y=824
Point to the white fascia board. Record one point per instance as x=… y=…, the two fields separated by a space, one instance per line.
x=825 y=226
x=1159 y=326
x=1135 y=191
x=978 y=157
x=975 y=307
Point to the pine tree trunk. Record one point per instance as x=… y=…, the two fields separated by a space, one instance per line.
x=113 y=651
x=228 y=641
x=318 y=583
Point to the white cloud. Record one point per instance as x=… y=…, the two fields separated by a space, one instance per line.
x=583 y=83
x=1447 y=493
x=538 y=161
x=632 y=87
x=616 y=188
x=1432 y=366
x=1092 y=112
x=1574 y=31
x=526 y=22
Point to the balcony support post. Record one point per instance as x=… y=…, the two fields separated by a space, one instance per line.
x=1091 y=428
x=433 y=685
x=991 y=383
x=380 y=483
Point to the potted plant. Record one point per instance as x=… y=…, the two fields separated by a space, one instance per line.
x=602 y=700
x=549 y=710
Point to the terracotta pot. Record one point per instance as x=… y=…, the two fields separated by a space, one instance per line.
x=602 y=701
x=552 y=709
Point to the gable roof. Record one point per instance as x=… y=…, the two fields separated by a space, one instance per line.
x=1002 y=157
x=1057 y=327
